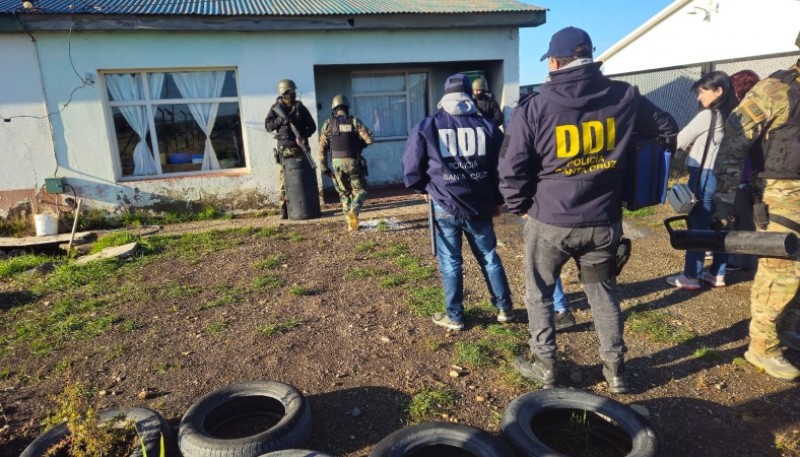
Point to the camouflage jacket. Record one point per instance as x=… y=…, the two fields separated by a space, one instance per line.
x=364 y=133
x=764 y=108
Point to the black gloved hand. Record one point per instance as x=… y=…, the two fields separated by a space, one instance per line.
x=723 y=218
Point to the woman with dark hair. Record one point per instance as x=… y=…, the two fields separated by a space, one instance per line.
x=742 y=81
x=699 y=142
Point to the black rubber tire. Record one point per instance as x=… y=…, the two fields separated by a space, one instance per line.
x=149 y=424
x=296 y=453
x=435 y=436
x=520 y=413
x=236 y=401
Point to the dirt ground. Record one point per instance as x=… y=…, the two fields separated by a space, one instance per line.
x=359 y=352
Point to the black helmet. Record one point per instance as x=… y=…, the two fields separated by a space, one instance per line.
x=285 y=85
x=339 y=100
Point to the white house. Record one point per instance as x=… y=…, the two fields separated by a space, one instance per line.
x=669 y=52
x=155 y=103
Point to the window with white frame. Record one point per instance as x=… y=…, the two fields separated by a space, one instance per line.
x=170 y=122
x=390 y=103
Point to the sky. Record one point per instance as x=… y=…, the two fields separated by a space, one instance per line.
x=606 y=21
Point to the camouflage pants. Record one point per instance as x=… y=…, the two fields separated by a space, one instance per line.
x=774 y=296
x=286 y=153
x=350 y=184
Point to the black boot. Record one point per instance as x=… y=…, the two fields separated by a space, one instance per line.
x=284 y=213
x=540 y=369
x=614 y=372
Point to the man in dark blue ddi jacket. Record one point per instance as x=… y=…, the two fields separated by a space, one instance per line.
x=452 y=157
x=562 y=168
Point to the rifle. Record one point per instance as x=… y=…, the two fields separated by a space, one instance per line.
x=277 y=109
x=781 y=245
x=432 y=225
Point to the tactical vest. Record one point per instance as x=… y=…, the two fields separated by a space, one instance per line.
x=782 y=146
x=344 y=138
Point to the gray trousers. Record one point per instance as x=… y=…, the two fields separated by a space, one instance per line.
x=547 y=249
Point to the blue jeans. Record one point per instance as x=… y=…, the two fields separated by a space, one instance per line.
x=700 y=218
x=481 y=238
x=559 y=298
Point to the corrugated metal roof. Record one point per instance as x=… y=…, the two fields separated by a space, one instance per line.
x=265 y=7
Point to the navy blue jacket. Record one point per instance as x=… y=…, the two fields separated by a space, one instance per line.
x=563 y=161
x=453 y=158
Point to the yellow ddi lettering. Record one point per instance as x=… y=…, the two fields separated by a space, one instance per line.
x=592 y=137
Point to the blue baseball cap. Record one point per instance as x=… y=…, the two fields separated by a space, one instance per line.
x=564 y=42
x=458 y=82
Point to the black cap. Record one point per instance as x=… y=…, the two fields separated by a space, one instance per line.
x=565 y=41
x=457 y=83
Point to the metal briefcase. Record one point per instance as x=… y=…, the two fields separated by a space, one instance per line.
x=681 y=198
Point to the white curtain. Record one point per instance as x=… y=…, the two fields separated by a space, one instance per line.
x=203 y=84
x=128 y=87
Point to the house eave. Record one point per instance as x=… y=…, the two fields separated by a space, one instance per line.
x=97 y=22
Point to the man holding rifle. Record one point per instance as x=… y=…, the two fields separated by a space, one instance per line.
x=293 y=125
x=452 y=158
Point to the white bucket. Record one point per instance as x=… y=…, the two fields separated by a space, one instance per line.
x=46 y=224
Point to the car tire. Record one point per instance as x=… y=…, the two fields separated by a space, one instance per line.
x=149 y=424
x=295 y=453
x=282 y=403
x=434 y=438
x=623 y=423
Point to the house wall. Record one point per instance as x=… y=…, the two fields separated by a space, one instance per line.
x=83 y=134
x=741 y=28
x=26 y=144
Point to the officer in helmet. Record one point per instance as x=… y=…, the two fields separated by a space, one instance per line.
x=343 y=137
x=487 y=105
x=290 y=140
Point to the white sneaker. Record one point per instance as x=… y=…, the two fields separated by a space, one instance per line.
x=684 y=282
x=714 y=281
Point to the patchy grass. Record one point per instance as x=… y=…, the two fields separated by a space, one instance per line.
x=112 y=240
x=360 y=273
x=176 y=291
x=270 y=262
x=426 y=300
x=392 y=250
x=740 y=362
x=428 y=403
x=707 y=354
x=217 y=327
x=367 y=246
x=392 y=281
x=296 y=237
x=228 y=298
x=659 y=327
x=297 y=289
x=788 y=442
x=266 y=282
x=280 y=327
x=475 y=354
x=17 y=264
x=269 y=232
x=648 y=211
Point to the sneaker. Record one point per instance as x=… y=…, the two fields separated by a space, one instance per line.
x=614 y=372
x=776 y=366
x=683 y=282
x=352 y=221
x=539 y=369
x=505 y=317
x=709 y=255
x=443 y=320
x=564 y=319
x=712 y=280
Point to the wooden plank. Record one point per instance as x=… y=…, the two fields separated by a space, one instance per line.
x=80 y=237
x=114 y=251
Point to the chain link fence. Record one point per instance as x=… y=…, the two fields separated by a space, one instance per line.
x=671 y=88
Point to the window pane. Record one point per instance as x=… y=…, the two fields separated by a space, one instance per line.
x=170 y=90
x=180 y=140
x=418 y=94
x=124 y=86
x=229 y=86
x=127 y=139
x=379 y=83
x=385 y=115
x=226 y=137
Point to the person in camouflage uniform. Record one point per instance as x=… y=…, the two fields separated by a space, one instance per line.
x=344 y=137
x=775 y=305
x=487 y=105
x=289 y=145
